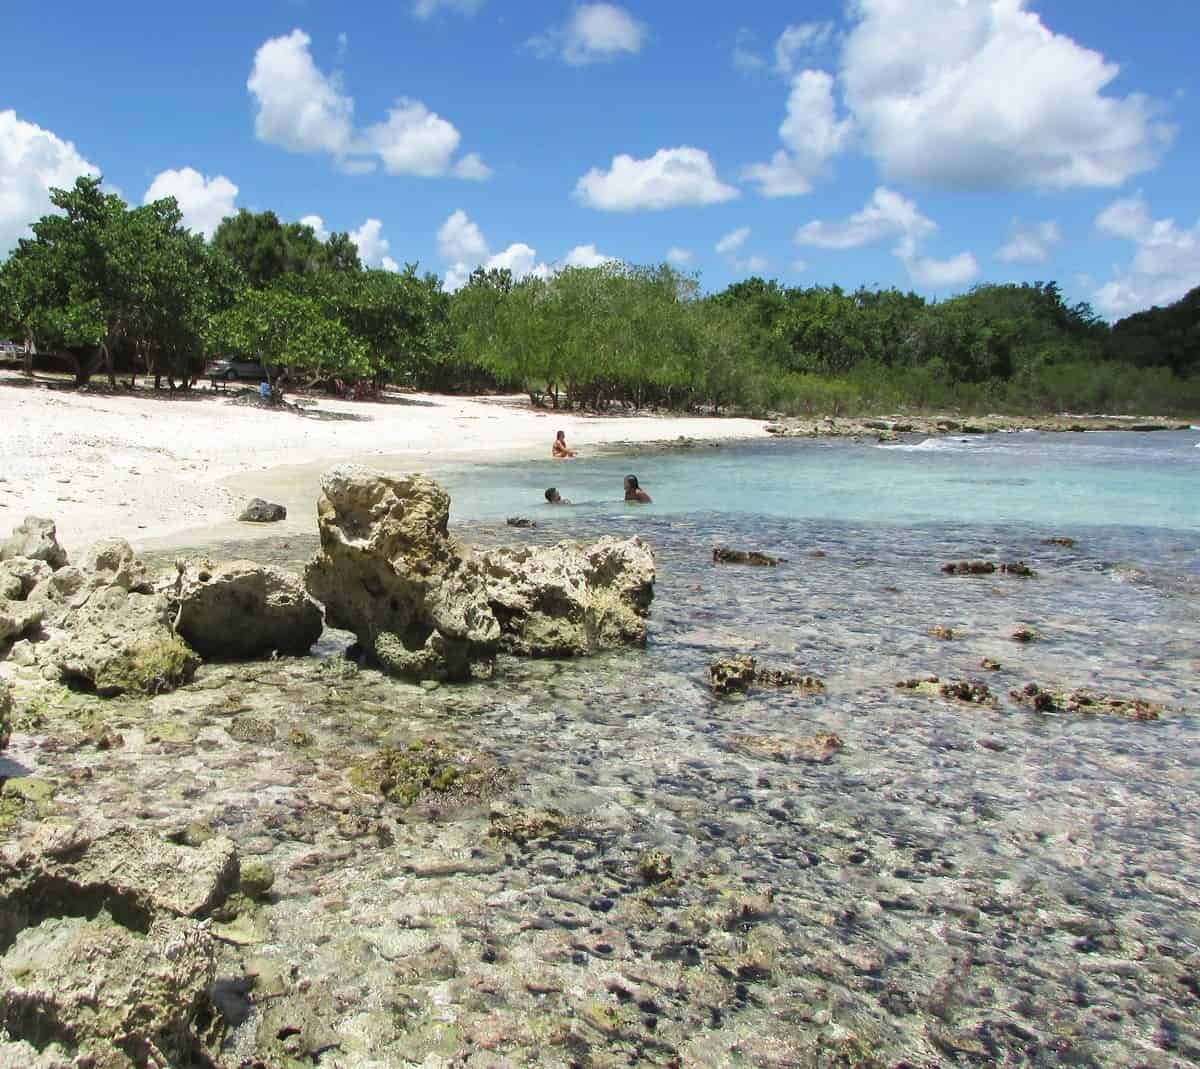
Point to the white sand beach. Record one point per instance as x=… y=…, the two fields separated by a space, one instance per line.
x=150 y=465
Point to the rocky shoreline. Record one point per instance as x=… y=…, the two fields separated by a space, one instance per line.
x=889 y=428
x=292 y=860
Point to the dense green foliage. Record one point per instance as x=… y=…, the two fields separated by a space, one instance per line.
x=99 y=280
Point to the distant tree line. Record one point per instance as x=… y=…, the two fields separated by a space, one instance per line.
x=106 y=285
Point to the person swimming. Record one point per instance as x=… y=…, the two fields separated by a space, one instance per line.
x=559 y=450
x=553 y=497
x=633 y=492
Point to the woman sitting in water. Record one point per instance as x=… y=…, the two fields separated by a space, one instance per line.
x=553 y=497
x=559 y=450
x=633 y=492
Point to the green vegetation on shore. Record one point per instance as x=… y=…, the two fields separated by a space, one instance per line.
x=105 y=285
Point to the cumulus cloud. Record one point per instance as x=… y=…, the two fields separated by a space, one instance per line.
x=941 y=274
x=889 y=215
x=797 y=40
x=302 y=109
x=373 y=246
x=1029 y=243
x=299 y=108
x=595 y=33
x=317 y=224
x=733 y=241
x=203 y=201
x=462 y=245
x=886 y=215
x=32 y=161
x=680 y=257
x=587 y=256
x=980 y=94
x=1165 y=264
x=812 y=134
x=426 y=9
x=413 y=140
x=458 y=238
x=672 y=177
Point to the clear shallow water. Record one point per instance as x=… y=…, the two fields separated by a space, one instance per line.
x=1143 y=480
x=960 y=885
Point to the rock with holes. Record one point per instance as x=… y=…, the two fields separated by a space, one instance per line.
x=242 y=609
x=102 y=995
x=389 y=571
x=35 y=539
x=104 y=957
x=568 y=599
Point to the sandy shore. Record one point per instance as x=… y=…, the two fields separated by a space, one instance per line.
x=148 y=466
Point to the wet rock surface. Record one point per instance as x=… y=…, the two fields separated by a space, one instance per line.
x=569 y=600
x=726 y=555
x=956 y=885
x=424 y=607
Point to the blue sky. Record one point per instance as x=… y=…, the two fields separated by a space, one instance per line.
x=927 y=144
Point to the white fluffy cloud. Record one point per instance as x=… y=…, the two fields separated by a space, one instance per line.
x=426 y=9
x=672 y=177
x=462 y=245
x=889 y=215
x=812 y=134
x=680 y=257
x=413 y=140
x=299 y=108
x=594 y=34
x=317 y=224
x=458 y=238
x=302 y=109
x=587 y=256
x=32 y=160
x=797 y=40
x=373 y=246
x=203 y=201
x=980 y=94
x=733 y=241
x=940 y=274
x=1029 y=243
x=1165 y=264
x=886 y=215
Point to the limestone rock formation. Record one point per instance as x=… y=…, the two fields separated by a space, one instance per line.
x=242 y=609
x=570 y=600
x=36 y=539
x=389 y=571
x=104 y=960
x=423 y=607
x=259 y=511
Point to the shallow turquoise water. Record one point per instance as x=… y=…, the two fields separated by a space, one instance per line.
x=1136 y=480
x=960 y=885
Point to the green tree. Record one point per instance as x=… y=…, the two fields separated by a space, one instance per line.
x=285 y=329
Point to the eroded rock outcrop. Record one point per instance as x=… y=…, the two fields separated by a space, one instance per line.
x=569 y=600
x=105 y=626
x=389 y=571
x=104 y=960
x=35 y=539
x=422 y=606
x=242 y=609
